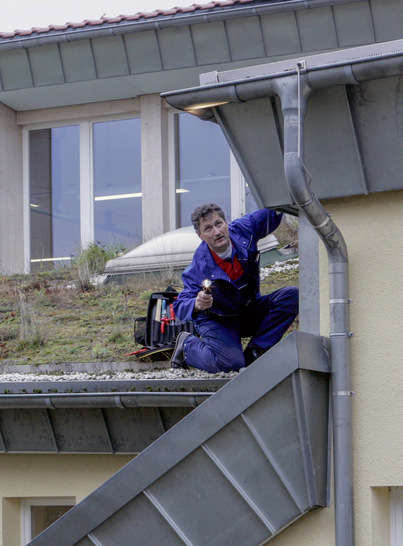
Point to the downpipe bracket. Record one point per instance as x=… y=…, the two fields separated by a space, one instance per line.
x=341 y=334
x=323 y=224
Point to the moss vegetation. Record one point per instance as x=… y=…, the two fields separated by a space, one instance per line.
x=55 y=317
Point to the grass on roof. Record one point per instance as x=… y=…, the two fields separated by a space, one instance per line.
x=54 y=318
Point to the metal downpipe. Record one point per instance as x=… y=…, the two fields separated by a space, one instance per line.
x=294 y=93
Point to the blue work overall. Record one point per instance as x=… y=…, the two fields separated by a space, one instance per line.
x=238 y=308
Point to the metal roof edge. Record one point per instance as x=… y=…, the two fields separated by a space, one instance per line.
x=40 y=37
x=100 y=387
x=122 y=400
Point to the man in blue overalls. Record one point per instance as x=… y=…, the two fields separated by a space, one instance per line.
x=233 y=307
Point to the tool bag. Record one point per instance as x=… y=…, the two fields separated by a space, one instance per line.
x=157 y=331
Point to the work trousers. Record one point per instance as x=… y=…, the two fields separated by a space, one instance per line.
x=264 y=320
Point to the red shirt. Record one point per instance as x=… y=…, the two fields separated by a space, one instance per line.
x=233 y=268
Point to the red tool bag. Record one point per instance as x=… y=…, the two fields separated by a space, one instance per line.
x=157 y=331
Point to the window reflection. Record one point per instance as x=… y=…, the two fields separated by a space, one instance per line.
x=54 y=193
x=250 y=203
x=43 y=516
x=117 y=182
x=203 y=167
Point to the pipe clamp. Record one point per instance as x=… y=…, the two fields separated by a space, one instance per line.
x=321 y=225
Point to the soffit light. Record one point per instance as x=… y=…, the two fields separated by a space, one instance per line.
x=127 y=195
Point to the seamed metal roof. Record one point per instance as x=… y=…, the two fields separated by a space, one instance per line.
x=245 y=464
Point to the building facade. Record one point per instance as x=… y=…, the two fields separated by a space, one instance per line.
x=90 y=152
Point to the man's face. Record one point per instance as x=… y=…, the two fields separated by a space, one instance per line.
x=214 y=231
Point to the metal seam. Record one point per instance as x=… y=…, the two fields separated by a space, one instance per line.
x=235 y=484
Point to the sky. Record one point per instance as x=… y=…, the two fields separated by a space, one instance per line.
x=26 y=14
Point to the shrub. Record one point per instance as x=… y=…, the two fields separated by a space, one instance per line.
x=92 y=261
x=31 y=332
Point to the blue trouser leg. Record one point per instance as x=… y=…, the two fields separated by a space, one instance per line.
x=220 y=347
x=269 y=317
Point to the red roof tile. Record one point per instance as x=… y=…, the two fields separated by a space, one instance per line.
x=123 y=18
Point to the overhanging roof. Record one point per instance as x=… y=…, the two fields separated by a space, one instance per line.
x=129 y=56
x=353 y=137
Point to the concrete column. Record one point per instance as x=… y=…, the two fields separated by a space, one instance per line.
x=154 y=166
x=11 y=194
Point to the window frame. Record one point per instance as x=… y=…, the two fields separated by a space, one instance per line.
x=396 y=516
x=25 y=512
x=87 y=231
x=85 y=123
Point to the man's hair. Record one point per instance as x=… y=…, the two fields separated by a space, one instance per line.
x=203 y=211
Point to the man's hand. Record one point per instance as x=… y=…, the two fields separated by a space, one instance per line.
x=203 y=301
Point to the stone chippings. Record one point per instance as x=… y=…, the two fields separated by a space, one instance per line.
x=169 y=373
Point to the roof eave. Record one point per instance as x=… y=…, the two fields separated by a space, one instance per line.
x=41 y=37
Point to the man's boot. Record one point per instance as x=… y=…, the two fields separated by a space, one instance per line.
x=178 y=356
x=251 y=353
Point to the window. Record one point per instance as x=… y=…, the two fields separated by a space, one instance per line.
x=84 y=186
x=202 y=167
x=250 y=203
x=83 y=183
x=38 y=514
x=117 y=182
x=54 y=198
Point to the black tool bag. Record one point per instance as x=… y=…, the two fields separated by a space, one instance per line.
x=157 y=331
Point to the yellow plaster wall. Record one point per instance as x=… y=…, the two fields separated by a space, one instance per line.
x=24 y=476
x=373 y=229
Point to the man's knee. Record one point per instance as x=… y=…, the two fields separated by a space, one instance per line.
x=287 y=298
x=230 y=360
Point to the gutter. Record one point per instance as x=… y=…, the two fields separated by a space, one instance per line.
x=349 y=66
x=120 y=400
x=43 y=37
x=293 y=81
x=101 y=386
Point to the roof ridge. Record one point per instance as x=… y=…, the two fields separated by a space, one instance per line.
x=123 y=18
